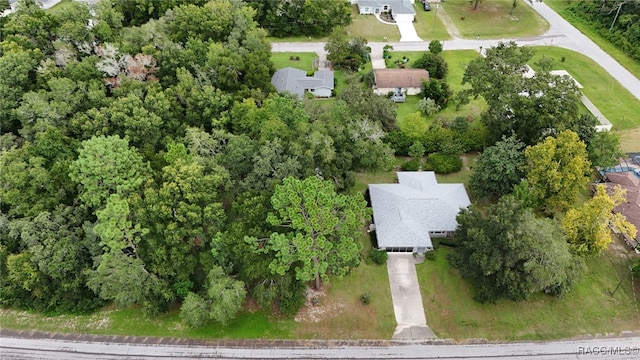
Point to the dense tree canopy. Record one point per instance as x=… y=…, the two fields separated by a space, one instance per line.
x=137 y=154
x=588 y=228
x=324 y=227
x=529 y=107
x=301 y=17
x=499 y=168
x=557 y=170
x=510 y=253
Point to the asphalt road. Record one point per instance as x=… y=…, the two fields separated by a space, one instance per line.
x=39 y=348
x=561 y=34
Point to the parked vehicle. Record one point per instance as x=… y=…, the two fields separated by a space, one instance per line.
x=427 y=6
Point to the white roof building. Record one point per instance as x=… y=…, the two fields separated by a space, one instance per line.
x=408 y=214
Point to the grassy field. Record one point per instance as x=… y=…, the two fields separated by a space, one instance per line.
x=492 y=19
x=424 y=25
x=282 y=60
x=613 y=100
x=586 y=28
x=368 y=27
x=457 y=61
x=587 y=309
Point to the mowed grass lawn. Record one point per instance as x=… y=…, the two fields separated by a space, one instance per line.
x=457 y=61
x=586 y=28
x=587 y=309
x=286 y=59
x=425 y=22
x=492 y=19
x=368 y=27
x=613 y=100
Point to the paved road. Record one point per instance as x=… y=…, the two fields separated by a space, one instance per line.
x=132 y=348
x=560 y=34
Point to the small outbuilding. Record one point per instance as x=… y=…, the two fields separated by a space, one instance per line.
x=408 y=214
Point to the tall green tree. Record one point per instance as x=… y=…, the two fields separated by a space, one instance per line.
x=499 y=168
x=182 y=212
x=345 y=53
x=510 y=253
x=223 y=298
x=105 y=166
x=529 y=107
x=301 y=17
x=588 y=228
x=324 y=227
x=557 y=170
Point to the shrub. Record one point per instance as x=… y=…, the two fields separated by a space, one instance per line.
x=411 y=165
x=365 y=298
x=399 y=141
x=430 y=255
x=450 y=242
x=293 y=298
x=379 y=256
x=443 y=164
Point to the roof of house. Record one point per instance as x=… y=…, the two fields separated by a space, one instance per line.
x=398 y=6
x=400 y=78
x=631 y=208
x=405 y=213
x=296 y=81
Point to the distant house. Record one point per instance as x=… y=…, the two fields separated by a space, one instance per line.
x=408 y=214
x=399 y=81
x=297 y=82
x=630 y=181
x=401 y=10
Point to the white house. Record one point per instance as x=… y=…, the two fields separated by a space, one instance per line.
x=401 y=10
x=297 y=82
x=408 y=214
x=399 y=81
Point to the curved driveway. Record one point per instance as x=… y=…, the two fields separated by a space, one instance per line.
x=560 y=34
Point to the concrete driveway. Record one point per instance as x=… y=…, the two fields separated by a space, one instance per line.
x=407 y=31
x=407 y=301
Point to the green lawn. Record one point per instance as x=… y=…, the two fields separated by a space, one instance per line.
x=62 y=5
x=457 y=61
x=492 y=20
x=368 y=27
x=284 y=59
x=424 y=24
x=613 y=100
x=587 y=309
x=586 y=28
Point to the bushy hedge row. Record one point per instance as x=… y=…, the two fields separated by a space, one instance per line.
x=443 y=164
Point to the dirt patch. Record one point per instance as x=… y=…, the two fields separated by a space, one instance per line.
x=315 y=308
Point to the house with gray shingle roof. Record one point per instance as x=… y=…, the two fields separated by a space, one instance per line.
x=399 y=9
x=408 y=214
x=297 y=82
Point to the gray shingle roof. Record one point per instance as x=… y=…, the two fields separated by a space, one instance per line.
x=398 y=6
x=296 y=81
x=406 y=212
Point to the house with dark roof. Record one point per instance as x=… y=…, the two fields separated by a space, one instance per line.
x=297 y=82
x=407 y=215
x=401 y=10
x=630 y=181
x=399 y=81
